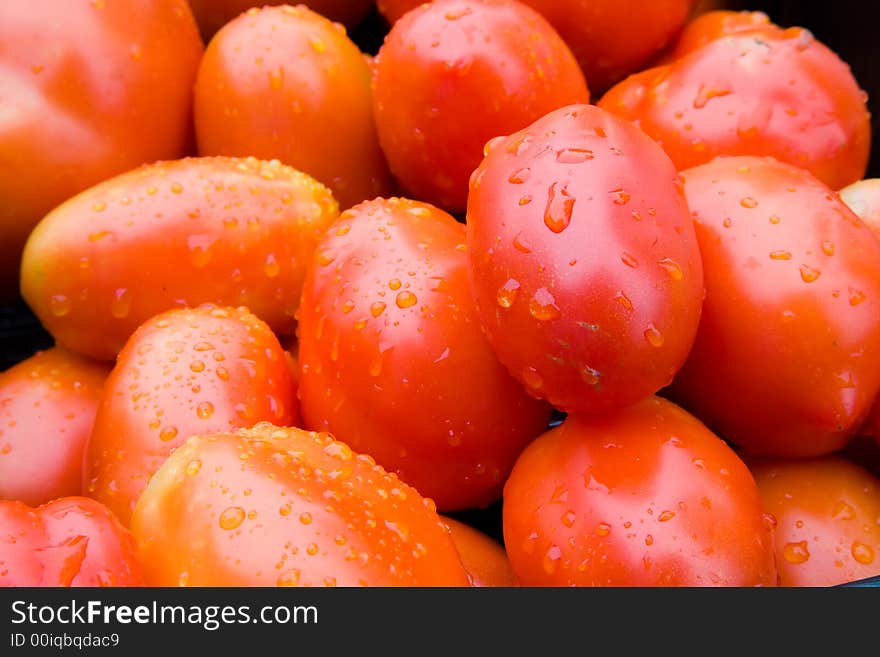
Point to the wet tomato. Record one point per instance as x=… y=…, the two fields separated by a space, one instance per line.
x=484 y=559
x=183 y=372
x=714 y=25
x=583 y=258
x=284 y=507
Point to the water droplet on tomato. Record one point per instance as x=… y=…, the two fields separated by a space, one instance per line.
x=231 y=518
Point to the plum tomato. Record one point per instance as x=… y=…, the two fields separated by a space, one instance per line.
x=647 y=496
x=583 y=259
x=286 y=83
x=393 y=361
x=484 y=559
x=272 y=506
x=183 y=372
x=827 y=514
x=716 y=24
x=200 y=230
x=211 y=15
x=455 y=73
x=89 y=90
x=782 y=94
x=71 y=541
x=47 y=408
x=785 y=362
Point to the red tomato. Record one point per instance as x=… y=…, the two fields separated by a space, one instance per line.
x=453 y=74
x=827 y=512
x=219 y=230
x=214 y=14
x=387 y=328
x=286 y=83
x=47 y=408
x=644 y=497
x=762 y=93
x=73 y=541
x=786 y=358
x=609 y=38
x=89 y=91
x=484 y=559
x=183 y=372
x=583 y=259
x=714 y=25
x=284 y=507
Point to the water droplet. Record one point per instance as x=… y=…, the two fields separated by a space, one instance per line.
x=176 y=188
x=120 y=306
x=590 y=376
x=780 y=255
x=862 y=553
x=276 y=78
x=167 y=433
x=271 y=267
x=520 y=245
x=507 y=293
x=305 y=518
x=843 y=511
x=317 y=45
x=796 y=553
x=649 y=540
x=774 y=219
x=288 y=578
x=707 y=93
x=828 y=248
x=603 y=529
x=59 y=305
x=654 y=336
x=551 y=559
x=377 y=308
x=99 y=206
x=574 y=155
x=559 y=209
x=519 y=176
x=405 y=299
x=728 y=222
x=629 y=260
x=394 y=284
x=748 y=202
x=542 y=306
x=568 y=518
x=193 y=467
x=205 y=410
x=231 y=517
x=620 y=196
x=672 y=268
x=808 y=274
x=623 y=300
x=197 y=366
x=666 y=516
x=531 y=378
x=855 y=296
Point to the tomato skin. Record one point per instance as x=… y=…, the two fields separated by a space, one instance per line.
x=826 y=512
x=386 y=328
x=286 y=83
x=863 y=198
x=89 y=92
x=583 y=260
x=455 y=73
x=644 y=497
x=716 y=24
x=72 y=541
x=484 y=560
x=188 y=226
x=183 y=372
x=47 y=408
x=785 y=360
x=782 y=94
x=211 y=15
x=292 y=508
x=610 y=39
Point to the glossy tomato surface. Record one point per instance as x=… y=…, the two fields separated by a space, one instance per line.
x=647 y=496
x=781 y=94
x=286 y=83
x=827 y=511
x=199 y=230
x=455 y=73
x=183 y=372
x=583 y=260
x=72 y=541
x=786 y=358
x=270 y=506
x=90 y=90
x=393 y=360
x=716 y=24
x=483 y=558
x=47 y=407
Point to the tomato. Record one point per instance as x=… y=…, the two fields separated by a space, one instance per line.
x=781 y=94
x=72 y=541
x=716 y=24
x=286 y=83
x=274 y=506
x=89 y=91
x=583 y=258
x=827 y=512
x=214 y=14
x=484 y=559
x=786 y=358
x=183 y=372
x=647 y=496
x=610 y=39
x=221 y=230
x=455 y=73
x=47 y=408
x=387 y=327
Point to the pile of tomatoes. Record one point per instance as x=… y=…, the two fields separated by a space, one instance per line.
x=612 y=264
